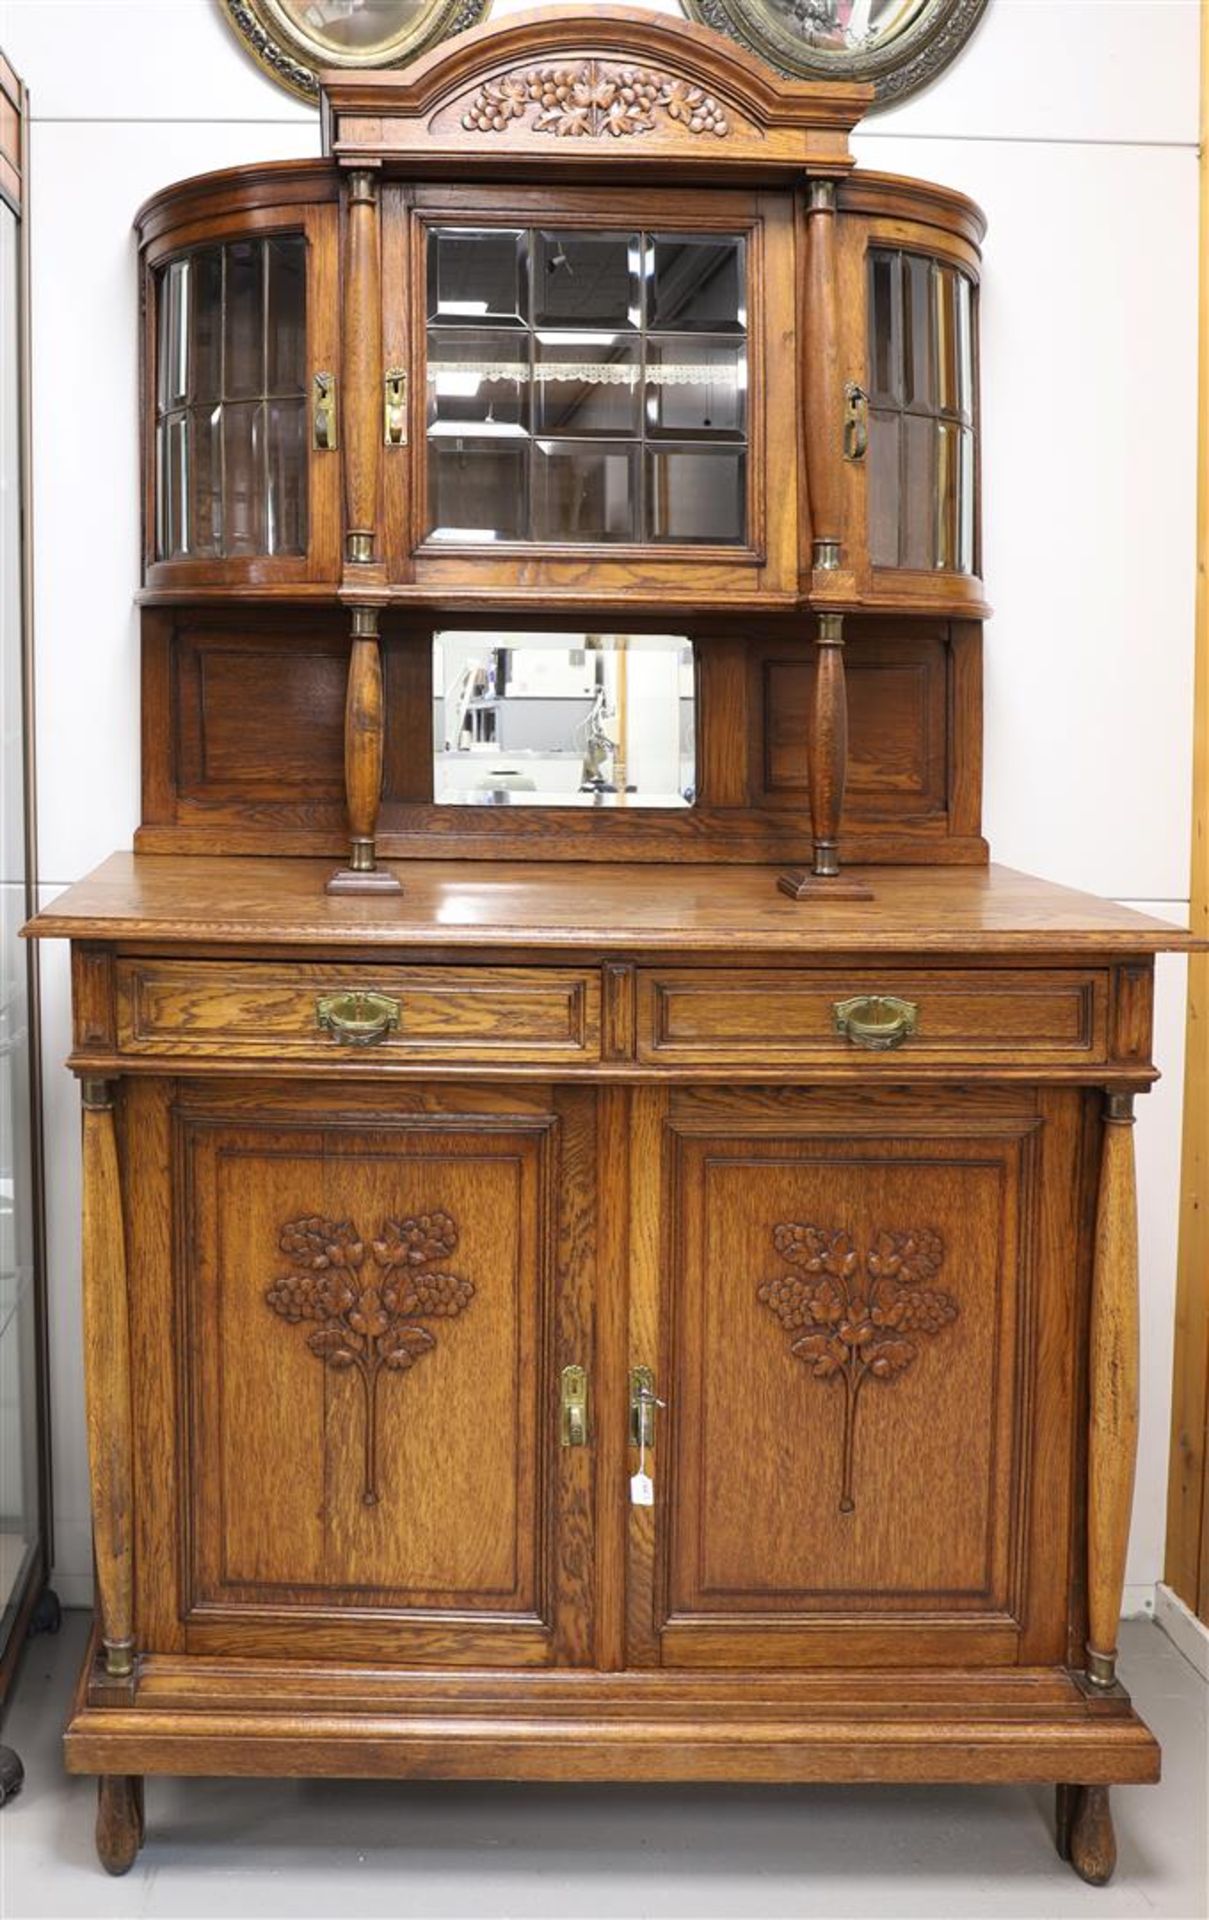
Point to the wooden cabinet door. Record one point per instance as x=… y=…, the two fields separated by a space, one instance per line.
x=374 y=1304
x=865 y=1309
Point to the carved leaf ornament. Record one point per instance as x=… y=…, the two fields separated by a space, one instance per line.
x=369 y=1324
x=593 y=99
x=857 y=1317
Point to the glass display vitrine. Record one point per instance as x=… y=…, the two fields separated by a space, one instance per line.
x=587 y=387
x=921 y=413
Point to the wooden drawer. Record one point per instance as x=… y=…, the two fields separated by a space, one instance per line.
x=514 y=1015
x=1000 y=1016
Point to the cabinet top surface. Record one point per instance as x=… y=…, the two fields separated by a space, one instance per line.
x=163 y=899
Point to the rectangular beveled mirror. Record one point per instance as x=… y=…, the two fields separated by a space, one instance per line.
x=563 y=719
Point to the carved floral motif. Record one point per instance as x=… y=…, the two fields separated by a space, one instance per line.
x=369 y=1325
x=591 y=99
x=852 y=1314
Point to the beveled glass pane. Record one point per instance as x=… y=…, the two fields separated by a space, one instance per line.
x=477 y=490
x=244 y=316
x=883 y=489
x=696 y=387
x=205 y=325
x=885 y=328
x=563 y=719
x=173 y=341
x=244 y=478
x=285 y=260
x=697 y=495
x=919 y=382
x=917 y=500
x=355 y=27
x=587 y=279
x=287 y=463
x=948 y=380
x=584 y=492
x=205 y=480
x=587 y=383
x=948 y=501
x=696 y=284
x=965 y=547
x=172 y=489
x=478 y=383
x=478 y=276
x=965 y=347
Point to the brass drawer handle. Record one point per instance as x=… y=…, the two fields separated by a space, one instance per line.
x=359 y=1018
x=876 y=1020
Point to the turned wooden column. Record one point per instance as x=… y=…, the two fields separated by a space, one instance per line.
x=1113 y=1388
x=823 y=442
x=364 y=737
x=364 y=713
x=107 y=1379
x=362 y=366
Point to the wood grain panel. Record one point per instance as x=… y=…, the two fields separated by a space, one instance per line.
x=260 y=715
x=185 y=1009
x=455 y=1539
x=696 y=1016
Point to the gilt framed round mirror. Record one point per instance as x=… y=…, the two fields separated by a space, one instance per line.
x=294 y=40
x=900 y=45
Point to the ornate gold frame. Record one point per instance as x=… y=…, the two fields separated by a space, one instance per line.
x=904 y=64
x=295 y=58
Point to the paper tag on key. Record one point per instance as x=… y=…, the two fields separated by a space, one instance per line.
x=642 y=1490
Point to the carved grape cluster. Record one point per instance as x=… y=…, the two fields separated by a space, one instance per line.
x=854 y=1318
x=592 y=99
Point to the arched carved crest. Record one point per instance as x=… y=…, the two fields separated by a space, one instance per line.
x=611 y=85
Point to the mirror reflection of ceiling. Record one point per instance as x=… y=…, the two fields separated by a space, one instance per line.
x=354 y=26
x=845 y=26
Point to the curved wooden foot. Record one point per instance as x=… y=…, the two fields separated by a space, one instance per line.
x=119 y=1820
x=1091 y=1841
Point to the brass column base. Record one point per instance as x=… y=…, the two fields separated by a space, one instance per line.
x=374 y=880
x=822 y=886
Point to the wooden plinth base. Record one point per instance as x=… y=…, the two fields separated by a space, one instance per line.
x=816 y=886
x=377 y=881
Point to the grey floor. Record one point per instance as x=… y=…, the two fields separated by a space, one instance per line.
x=341 y=1850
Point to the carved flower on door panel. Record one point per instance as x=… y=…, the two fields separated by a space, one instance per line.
x=852 y=1311
x=369 y=1323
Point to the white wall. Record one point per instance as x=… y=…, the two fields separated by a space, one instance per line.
x=1075 y=126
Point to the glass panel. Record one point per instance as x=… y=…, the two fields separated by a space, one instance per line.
x=695 y=284
x=583 y=492
x=918 y=491
x=696 y=495
x=476 y=490
x=205 y=480
x=563 y=719
x=173 y=346
x=244 y=478
x=580 y=383
x=285 y=261
x=883 y=489
x=205 y=324
x=173 y=486
x=587 y=383
x=588 y=279
x=885 y=328
x=356 y=27
x=948 y=389
x=948 y=501
x=287 y=460
x=965 y=347
x=919 y=386
x=965 y=546
x=696 y=387
x=244 y=317
x=478 y=383
x=478 y=276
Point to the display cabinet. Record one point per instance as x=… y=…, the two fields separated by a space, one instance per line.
x=609 y=1227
